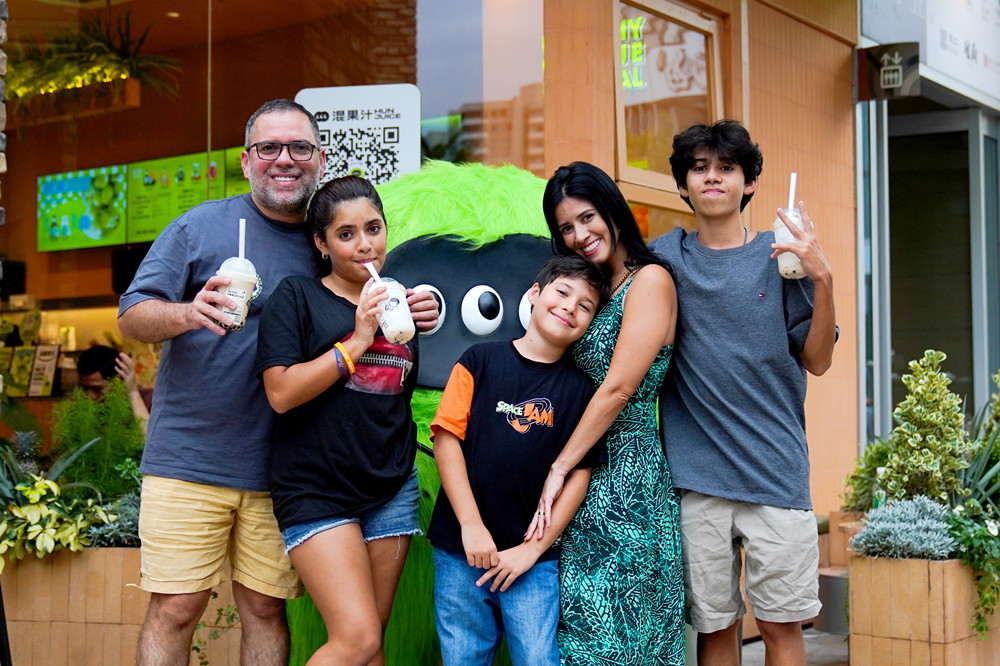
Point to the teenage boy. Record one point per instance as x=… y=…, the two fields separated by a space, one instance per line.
x=505 y=414
x=732 y=410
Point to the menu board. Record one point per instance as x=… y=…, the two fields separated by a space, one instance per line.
x=159 y=190
x=82 y=209
x=236 y=183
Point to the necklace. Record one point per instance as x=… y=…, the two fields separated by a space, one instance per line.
x=628 y=272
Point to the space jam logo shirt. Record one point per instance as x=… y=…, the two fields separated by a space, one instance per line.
x=512 y=417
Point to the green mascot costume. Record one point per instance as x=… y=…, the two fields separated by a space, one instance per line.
x=476 y=237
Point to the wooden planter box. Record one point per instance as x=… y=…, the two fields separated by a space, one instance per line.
x=909 y=612
x=843 y=526
x=86 y=609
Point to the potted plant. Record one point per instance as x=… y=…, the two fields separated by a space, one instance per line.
x=91 y=65
x=928 y=578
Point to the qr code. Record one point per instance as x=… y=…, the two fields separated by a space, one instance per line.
x=371 y=153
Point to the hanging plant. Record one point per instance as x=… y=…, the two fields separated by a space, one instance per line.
x=97 y=52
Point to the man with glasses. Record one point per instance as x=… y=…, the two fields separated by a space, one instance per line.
x=204 y=494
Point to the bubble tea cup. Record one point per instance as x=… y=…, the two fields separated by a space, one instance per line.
x=242 y=283
x=394 y=318
x=789 y=265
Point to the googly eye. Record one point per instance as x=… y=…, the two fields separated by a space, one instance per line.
x=442 y=310
x=482 y=310
x=524 y=310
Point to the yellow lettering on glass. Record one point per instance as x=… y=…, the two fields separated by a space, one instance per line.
x=633 y=52
x=632 y=28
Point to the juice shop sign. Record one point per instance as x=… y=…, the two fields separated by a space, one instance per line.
x=633 y=53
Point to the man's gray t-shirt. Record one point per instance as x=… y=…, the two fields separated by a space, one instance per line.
x=732 y=412
x=211 y=422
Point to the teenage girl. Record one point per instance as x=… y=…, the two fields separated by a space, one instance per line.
x=341 y=465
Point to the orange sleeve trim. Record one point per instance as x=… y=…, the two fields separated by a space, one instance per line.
x=453 y=412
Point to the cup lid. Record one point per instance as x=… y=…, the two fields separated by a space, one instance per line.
x=239 y=266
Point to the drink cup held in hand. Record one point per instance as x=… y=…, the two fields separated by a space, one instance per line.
x=242 y=283
x=394 y=318
x=789 y=265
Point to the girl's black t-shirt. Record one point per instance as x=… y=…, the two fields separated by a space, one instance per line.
x=350 y=448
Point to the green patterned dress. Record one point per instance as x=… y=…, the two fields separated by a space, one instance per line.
x=621 y=582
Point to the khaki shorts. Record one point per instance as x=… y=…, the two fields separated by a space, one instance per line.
x=782 y=561
x=188 y=530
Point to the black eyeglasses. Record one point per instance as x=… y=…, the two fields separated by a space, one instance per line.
x=300 y=151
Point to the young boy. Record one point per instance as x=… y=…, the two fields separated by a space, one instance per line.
x=732 y=409
x=505 y=414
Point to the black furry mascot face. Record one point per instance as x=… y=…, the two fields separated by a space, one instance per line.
x=476 y=237
x=480 y=291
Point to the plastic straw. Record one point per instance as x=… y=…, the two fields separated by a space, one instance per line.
x=371 y=269
x=243 y=235
x=791 y=191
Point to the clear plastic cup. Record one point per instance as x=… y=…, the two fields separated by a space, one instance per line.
x=394 y=318
x=242 y=283
x=789 y=265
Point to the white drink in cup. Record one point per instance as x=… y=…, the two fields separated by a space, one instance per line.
x=394 y=318
x=789 y=265
x=242 y=283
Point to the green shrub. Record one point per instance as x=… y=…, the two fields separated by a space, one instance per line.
x=915 y=528
x=929 y=446
x=79 y=419
x=976 y=531
x=860 y=484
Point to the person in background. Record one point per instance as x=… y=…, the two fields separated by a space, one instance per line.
x=205 y=486
x=98 y=364
x=732 y=411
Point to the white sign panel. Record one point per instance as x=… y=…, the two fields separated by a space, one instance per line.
x=958 y=38
x=368 y=131
x=963 y=41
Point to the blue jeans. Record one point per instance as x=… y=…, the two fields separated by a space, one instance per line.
x=470 y=620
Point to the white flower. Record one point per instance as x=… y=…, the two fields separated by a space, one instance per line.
x=992 y=527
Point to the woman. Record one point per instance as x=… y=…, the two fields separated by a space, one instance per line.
x=621 y=579
x=342 y=475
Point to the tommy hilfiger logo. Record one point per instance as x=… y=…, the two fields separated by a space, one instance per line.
x=536 y=411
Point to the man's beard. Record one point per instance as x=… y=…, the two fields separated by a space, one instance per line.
x=262 y=188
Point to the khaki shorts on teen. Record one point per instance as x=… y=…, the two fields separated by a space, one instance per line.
x=188 y=529
x=782 y=561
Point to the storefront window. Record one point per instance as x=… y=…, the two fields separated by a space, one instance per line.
x=655 y=221
x=172 y=135
x=668 y=65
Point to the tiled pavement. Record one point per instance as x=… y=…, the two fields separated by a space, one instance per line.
x=821 y=650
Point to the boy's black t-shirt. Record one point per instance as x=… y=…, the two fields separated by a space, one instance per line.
x=351 y=447
x=513 y=416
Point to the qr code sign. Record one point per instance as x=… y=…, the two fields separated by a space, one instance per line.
x=371 y=153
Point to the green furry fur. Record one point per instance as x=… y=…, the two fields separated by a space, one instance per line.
x=480 y=204
x=472 y=201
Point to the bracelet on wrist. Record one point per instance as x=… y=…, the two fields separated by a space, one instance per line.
x=344 y=362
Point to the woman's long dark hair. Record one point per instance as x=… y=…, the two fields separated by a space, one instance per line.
x=581 y=180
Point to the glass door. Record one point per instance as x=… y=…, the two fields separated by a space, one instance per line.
x=942 y=252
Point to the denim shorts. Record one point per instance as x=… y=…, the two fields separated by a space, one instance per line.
x=397 y=517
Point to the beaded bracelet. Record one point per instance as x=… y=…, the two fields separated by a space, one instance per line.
x=344 y=362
